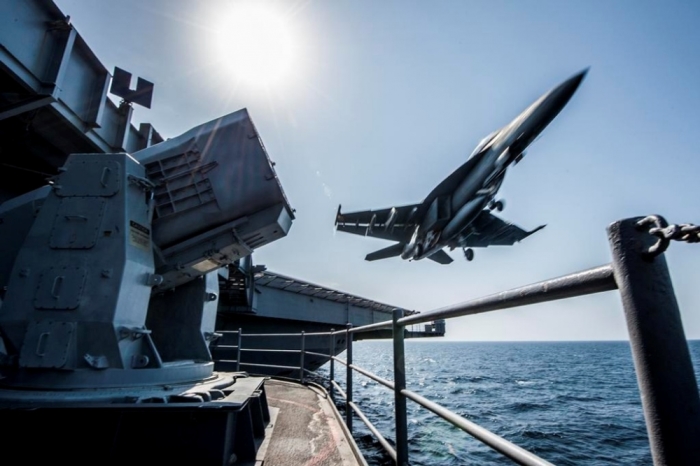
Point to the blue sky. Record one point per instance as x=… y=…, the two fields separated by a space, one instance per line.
x=384 y=99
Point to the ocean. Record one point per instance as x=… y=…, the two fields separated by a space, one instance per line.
x=571 y=403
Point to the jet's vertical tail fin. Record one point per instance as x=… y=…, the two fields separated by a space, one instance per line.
x=391 y=251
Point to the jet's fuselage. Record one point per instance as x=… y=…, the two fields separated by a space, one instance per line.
x=479 y=185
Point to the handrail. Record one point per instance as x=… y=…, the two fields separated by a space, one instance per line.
x=335 y=385
x=669 y=391
x=272 y=366
x=595 y=280
x=374 y=377
x=261 y=350
x=389 y=449
x=501 y=445
x=365 y=328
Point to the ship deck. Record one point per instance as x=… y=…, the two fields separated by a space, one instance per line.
x=306 y=430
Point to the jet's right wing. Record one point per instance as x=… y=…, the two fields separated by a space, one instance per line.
x=489 y=230
x=394 y=223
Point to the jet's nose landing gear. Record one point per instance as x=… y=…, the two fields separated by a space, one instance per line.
x=498 y=205
x=469 y=254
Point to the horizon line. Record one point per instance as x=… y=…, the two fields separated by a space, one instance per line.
x=436 y=340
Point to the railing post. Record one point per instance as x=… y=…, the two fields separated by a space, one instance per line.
x=662 y=361
x=348 y=378
x=238 y=350
x=331 y=347
x=301 y=362
x=400 y=384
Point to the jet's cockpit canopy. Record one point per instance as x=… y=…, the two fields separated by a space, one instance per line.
x=483 y=143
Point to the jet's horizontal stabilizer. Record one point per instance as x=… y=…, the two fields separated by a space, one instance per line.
x=391 y=251
x=441 y=257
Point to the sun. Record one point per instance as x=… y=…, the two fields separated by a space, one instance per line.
x=255 y=44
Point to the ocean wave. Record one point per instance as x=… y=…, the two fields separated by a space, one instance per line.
x=583 y=398
x=526 y=382
x=570 y=411
x=537 y=434
x=524 y=406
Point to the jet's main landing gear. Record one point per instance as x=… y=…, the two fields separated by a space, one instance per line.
x=518 y=158
x=469 y=254
x=498 y=205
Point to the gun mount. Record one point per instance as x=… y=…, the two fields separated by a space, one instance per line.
x=111 y=276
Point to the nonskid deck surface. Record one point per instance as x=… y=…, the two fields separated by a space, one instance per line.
x=306 y=431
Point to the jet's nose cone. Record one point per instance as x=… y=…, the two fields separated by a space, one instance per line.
x=573 y=82
x=576 y=79
x=565 y=90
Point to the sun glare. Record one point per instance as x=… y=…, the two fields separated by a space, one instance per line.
x=256 y=45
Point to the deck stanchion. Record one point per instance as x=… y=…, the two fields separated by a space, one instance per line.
x=400 y=384
x=331 y=346
x=302 y=348
x=238 y=350
x=348 y=379
x=662 y=361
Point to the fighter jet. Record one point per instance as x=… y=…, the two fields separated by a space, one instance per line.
x=458 y=212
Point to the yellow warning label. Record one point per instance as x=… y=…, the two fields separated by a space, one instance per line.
x=206 y=265
x=139 y=236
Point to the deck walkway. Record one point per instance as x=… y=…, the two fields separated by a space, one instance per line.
x=306 y=430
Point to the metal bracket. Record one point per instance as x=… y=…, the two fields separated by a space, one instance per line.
x=96 y=362
x=132 y=332
x=212 y=336
x=121 y=82
x=143 y=183
x=139 y=361
x=154 y=279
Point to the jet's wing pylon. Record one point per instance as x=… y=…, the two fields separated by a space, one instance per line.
x=441 y=257
x=393 y=223
x=489 y=230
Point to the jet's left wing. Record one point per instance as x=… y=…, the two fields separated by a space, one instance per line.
x=394 y=223
x=489 y=230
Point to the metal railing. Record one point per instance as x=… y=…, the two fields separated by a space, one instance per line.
x=239 y=349
x=665 y=375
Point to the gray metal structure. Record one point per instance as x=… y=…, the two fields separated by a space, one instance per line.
x=216 y=197
x=49 y=79
x=273 y=306
x=206 y=206
x=54 y=98
x=85 y=294
x=113 y=241
x=111 y=295
x=108 y=284
x=457 y=213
